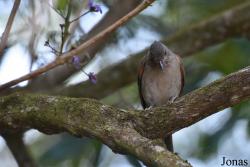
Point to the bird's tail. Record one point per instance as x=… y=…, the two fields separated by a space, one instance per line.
x=169 y=143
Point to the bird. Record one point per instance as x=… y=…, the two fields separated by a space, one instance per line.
x=160 y=79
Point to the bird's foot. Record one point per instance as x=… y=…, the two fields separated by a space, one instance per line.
x=148 y=108
x=172 y=99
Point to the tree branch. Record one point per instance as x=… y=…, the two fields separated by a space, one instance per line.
x=6 y=32
x=186 y=42
x=207 y=30
x=64 y=58
x=213 y=31
x=15 y=141
x=197 y=105
x=16 y=145
x=110 y=80
x=124 y=131
x=58 y=75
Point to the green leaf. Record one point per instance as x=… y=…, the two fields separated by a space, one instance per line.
x=62 y=4
x=227 y=57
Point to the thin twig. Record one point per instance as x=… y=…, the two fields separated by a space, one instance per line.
x=53 y=50
x=65 y=28
x=84 y=72
x=79 y=16
x=58 y=12
x=66 y=56
x=6 y=32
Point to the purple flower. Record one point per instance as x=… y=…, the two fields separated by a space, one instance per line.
x=94 y=7
x=76 y=62
x=92 y=77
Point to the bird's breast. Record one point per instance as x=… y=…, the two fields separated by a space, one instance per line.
x=160 y=86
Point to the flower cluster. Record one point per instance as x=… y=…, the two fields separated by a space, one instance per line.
x=77 y=64
x=94 y=7
x=76 y=61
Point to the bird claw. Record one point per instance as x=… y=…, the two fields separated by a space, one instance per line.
x=148 y=108
x=172 y=99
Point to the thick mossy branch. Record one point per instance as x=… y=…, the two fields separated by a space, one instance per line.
x=195 y=106
x=123 y=131
x=82 y=117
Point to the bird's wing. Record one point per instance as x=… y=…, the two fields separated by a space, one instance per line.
x=139 y=82
x=182 y=73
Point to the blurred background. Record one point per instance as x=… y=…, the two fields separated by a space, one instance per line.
x=113 y=60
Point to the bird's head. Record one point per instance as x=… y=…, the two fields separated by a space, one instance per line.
x=159 y=54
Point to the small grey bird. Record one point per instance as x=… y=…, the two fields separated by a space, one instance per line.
x=160 y=79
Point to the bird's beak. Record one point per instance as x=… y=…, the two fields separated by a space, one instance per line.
x=161 y=64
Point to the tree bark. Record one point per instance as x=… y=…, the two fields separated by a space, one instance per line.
x=5 y=35
x=16 y=145
x=124 y=131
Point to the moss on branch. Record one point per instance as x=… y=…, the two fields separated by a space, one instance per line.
x=123 y=131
